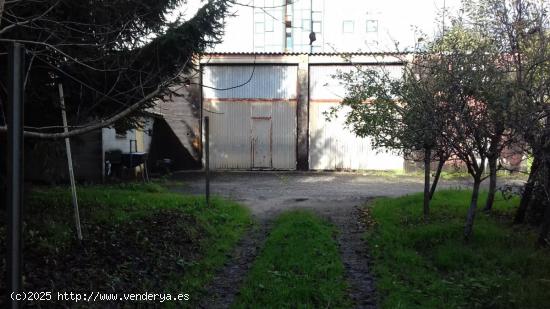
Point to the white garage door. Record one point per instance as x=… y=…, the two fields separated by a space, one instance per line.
x=332 y=146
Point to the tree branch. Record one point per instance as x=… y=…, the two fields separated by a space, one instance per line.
x=93 y=126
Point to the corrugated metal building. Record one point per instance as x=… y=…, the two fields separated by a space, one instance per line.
x=267 y=111
x=252 y=126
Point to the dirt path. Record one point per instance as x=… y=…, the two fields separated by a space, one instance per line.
x=227 y=282
x=354 y=254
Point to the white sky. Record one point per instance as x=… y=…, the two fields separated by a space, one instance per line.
x=398 y=15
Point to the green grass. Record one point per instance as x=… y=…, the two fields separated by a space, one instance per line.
x=445 y=174
x=110 y=204
x=428 y=265
x=463 y=175
x=391 y=174
x=299 y=267
x=180 y=241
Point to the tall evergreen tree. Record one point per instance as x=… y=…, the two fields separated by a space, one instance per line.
x=114 y=58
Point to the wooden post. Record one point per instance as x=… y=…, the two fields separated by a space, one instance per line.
x=16 y=65
x=207 y=158
x=70 y=162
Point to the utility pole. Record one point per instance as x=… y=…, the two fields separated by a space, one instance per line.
x=207 y=158
x=16 y=58
x=443 y=17
x=311 y=26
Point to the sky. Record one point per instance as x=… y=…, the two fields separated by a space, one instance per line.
x=399 y=16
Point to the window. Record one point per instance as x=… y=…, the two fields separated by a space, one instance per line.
x=259 y=16
x=317 y=16
x=289 y=41
x=306 y=25
x=317 y=27
x=259 y=27
x=372 y=25
x=269 y=24
x=347 y=26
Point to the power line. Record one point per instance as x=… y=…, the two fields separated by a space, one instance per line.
x=232 y=87
x=264 y=7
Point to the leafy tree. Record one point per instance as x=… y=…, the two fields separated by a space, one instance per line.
x=521 y=30
x=454 y=99
x=400 y=114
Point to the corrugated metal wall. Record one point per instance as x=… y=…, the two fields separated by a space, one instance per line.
x=269 y=96
x=268 y=81
x=332 y=146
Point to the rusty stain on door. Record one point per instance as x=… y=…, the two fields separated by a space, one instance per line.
x=261 y=142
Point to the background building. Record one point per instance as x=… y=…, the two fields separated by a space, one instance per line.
x=339 y=26
x=266 y=89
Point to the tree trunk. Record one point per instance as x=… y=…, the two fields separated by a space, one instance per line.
x=472 y=210
x=427 y=161
x=492 y=183
x=543 y=240
x=527 y=192
x=437 y=175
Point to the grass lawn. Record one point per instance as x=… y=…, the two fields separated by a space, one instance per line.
x=427 y=265
x=299 y=267
x=449 y=175
x=137 y=238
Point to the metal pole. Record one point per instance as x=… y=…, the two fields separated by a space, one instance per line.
x=311 y=24
x=443 y=17
x=15 y=169
x=70 y=162
x=207 y=159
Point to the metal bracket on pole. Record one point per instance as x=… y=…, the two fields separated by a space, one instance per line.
x=70 y=163
x=15 y=169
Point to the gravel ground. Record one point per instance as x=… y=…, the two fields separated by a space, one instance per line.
x=333 y=195
x=269 y=193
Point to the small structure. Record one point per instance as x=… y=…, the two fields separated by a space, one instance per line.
x=89 y=154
